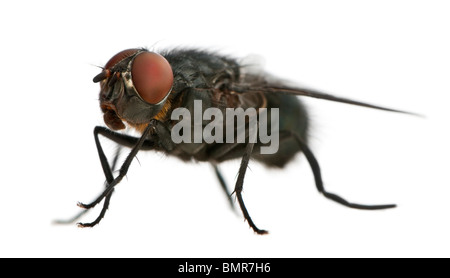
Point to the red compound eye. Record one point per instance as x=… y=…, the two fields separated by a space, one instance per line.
x=120 y=56
x=152 y=76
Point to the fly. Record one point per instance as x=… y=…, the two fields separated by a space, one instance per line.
x=166 y=96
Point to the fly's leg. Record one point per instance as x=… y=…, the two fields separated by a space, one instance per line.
x=223 y=185
x=105 y=206
x=239 y=186
x=121 y=139
x=319 y=183
x=124 y=140
x=122 y=172
x=107 y=198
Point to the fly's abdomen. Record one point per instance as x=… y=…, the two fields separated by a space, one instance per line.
x=292 y=117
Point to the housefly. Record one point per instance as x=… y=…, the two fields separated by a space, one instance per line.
x=143 y=90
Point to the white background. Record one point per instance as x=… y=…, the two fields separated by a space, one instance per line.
x=391 y=53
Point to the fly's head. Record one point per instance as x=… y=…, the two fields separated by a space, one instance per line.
x=134 y=86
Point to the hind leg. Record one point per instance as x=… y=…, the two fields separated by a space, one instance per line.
x=318 y=178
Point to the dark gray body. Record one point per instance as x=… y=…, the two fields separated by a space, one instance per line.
x=220 y=82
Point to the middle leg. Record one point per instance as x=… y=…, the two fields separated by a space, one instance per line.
x=239 y=186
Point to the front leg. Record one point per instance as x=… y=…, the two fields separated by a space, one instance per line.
x=107 y=198
x=111 y=181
